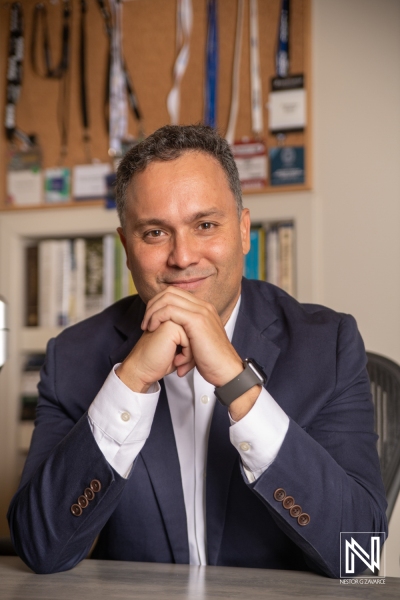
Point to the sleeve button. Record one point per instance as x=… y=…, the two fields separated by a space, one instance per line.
x=295 y=511
x=89 y=494
x=83 y=501
x=95 y=485
x=279 y=494
x=304 y=519
x=76 y=510
x=288 y=502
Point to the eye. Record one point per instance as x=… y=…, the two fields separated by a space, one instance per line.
x=206 y=226
x=154 y=233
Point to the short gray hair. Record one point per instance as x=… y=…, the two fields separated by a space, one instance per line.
x=168 y=143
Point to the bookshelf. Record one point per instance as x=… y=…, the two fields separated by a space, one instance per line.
x=17 y=230
x=20 y=228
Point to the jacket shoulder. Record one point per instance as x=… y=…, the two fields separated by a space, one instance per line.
x=101 y=324
x=285 y=307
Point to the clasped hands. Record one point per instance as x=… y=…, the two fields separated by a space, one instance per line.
x=175 y=318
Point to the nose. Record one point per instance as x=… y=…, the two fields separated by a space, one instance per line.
x=184 y=251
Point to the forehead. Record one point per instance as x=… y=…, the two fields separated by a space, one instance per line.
x=193 y=181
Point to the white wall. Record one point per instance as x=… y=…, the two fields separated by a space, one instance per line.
x=356 y=75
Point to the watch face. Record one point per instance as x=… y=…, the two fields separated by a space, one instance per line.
x=256 y=368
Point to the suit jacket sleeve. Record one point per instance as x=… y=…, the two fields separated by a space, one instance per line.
x=331 y=466
x=63 y=460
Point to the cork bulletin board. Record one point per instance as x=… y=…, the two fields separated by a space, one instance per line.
x=149 y=44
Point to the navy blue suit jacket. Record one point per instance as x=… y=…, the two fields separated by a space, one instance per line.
x=315 y=362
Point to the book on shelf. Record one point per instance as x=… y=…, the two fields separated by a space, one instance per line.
x=272 y=252
x=254 y=266
x=272 y=255
x=31 y=264
x=95 y=299
x=30 y=378
x=68 y=280
x=286 y=258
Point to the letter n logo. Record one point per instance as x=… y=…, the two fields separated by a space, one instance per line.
x=371 y=560
x=365 y=546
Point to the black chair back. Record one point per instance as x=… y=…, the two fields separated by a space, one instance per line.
x=385 y=387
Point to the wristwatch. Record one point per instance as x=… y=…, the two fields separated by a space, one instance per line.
x=252 y=375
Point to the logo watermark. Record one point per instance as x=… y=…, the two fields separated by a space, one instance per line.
x=364 y=546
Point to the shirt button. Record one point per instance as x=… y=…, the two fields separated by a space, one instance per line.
x=125 y=416
x=245 y=446
x=205 y=399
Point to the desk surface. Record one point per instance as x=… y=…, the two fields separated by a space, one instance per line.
x=97 y=579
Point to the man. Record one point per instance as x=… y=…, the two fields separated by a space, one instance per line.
x=131 y=444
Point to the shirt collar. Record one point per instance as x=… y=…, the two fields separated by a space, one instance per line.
x=230 y=324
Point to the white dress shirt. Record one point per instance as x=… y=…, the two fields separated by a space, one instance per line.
x=121 y=421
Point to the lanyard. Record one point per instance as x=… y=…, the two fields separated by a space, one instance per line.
x=14 y=68
x=255 y=73
x=118 y=102
x=282 y=51
x=211 y=88
x=230 y=132
x=83 y=81
x=184 y=30
x=132 y=98
x=40 y=23
x=61 y=72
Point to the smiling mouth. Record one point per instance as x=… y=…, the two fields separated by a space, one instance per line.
x=187 y=284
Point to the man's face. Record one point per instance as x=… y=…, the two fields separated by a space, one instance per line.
x=182 y=229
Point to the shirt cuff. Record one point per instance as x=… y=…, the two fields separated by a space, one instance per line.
x=259 y=435
x=121 y=421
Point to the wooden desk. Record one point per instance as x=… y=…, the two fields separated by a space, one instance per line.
x=97 y=579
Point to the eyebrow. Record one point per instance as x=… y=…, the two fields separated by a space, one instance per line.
x=213 y=212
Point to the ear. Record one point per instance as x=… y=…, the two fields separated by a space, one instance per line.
x=245 y=224
x=122 y=237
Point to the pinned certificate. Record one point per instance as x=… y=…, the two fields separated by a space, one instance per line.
x=287 y=165
x=57 y=185
x=251 y=161
x=89 y=181
x=287 y=104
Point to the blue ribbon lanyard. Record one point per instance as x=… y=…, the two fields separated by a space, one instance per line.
x=282 y=51
x=211 y=87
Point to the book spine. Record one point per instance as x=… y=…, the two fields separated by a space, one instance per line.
x=286 y=231
x=125 y=275
x=79 y=264
x=118 y=269
x=252 y=258
x=48 y=267
x=272 y=245
x=32 y=293
x=261 y=254
x=109 y=269
x=63 y=277
x=94 y=298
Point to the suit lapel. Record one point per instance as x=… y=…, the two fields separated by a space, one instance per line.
x=159 y=453
x=128 y=326
x=251 y=339
x=254 y=331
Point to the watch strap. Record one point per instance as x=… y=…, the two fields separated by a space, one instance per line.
x=248 y=378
